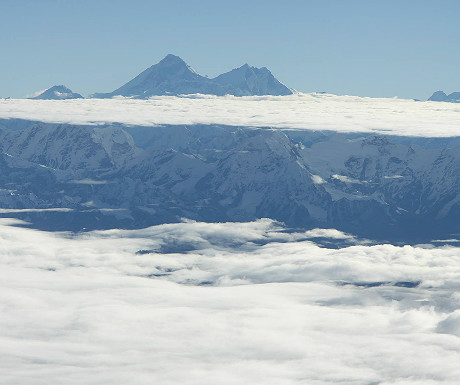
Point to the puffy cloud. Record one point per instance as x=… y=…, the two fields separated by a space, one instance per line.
x=226 y=303
x=327 y=233
x=299 y=111
x=346 y=179
x=317 y=179
x=451 y=324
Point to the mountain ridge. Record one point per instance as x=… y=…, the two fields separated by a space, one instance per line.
x=441 y=96
x=173 y=76
x=111 y=176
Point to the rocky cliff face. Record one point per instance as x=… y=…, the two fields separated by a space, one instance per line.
x=383 y=187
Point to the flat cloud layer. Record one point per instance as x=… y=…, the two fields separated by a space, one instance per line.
x=299 y=111
x=228 y=303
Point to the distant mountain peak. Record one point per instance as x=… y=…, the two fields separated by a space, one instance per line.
x=438 y=96
x=172 y=61
x=58 y=92
x=441 y=96
x=248 y=80
x=170 y=58
x=173 y=76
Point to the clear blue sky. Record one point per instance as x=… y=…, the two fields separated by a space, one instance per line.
x=405 y=48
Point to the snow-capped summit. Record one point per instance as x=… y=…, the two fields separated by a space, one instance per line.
x=441 y=96
x=247 y=80
x=173 y=76
x=59 y=93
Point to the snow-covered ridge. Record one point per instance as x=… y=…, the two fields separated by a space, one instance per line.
x=379 y=187
x=299 y=111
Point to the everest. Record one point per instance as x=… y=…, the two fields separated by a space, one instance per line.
x=57 y=93
x=172 y=76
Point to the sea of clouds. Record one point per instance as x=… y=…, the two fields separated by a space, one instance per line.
x=299 y=111
x=225 y=303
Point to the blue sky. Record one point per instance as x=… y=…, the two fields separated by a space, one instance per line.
x=404 y=48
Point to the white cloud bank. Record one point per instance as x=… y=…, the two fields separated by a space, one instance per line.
x=272 y=308
x=299 y=111
x=52 y=209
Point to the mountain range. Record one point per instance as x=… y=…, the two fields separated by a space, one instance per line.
x=441 y=96
x=172 y=76
x=127 y=176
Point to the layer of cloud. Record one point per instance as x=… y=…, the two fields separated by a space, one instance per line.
x=89 y=181
x=299 y=111
x=227 y=303
x=29 y=210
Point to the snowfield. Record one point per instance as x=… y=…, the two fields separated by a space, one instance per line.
x=299 y=111
x=227 y=303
